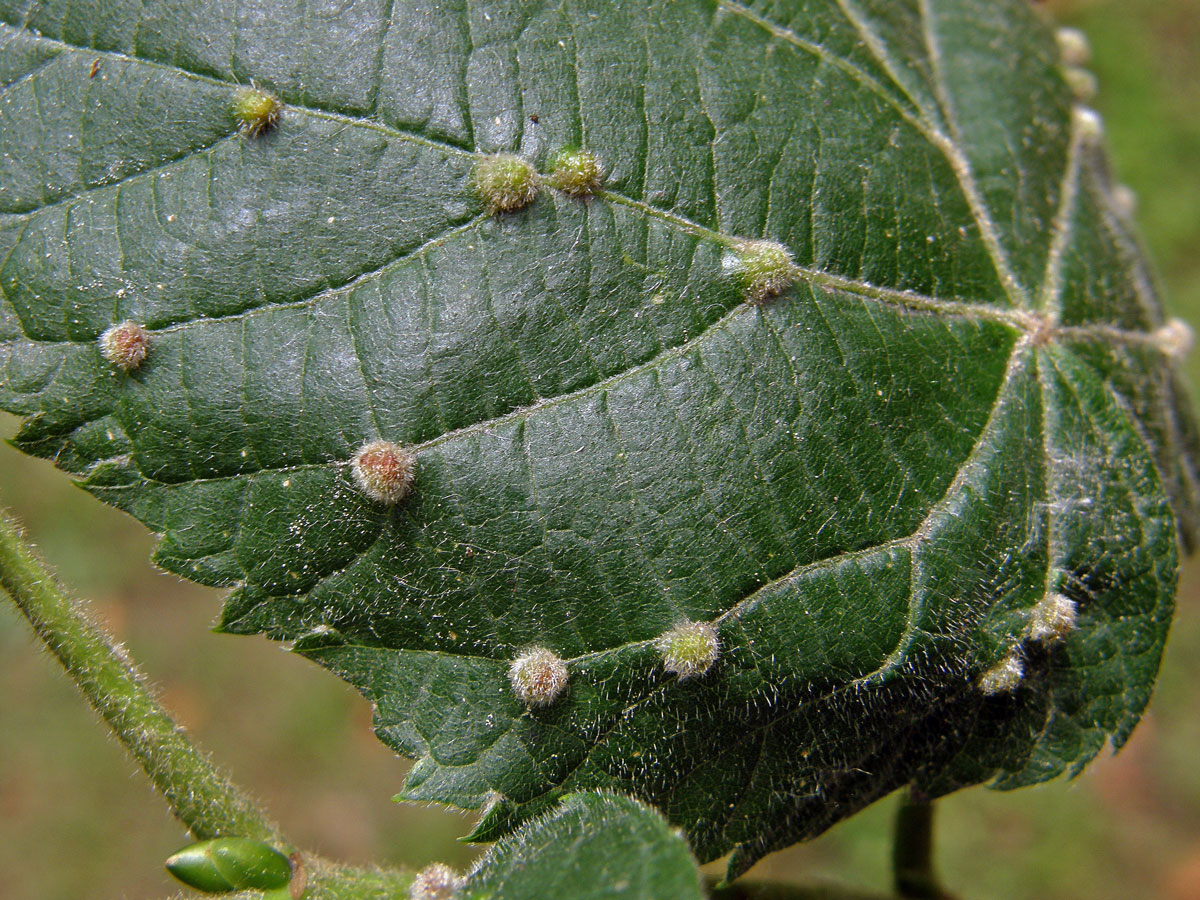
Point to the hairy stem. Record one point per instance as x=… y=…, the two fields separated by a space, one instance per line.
x=198 y=792
x=912 y=852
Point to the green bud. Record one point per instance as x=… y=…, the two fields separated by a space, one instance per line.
x=230 y=864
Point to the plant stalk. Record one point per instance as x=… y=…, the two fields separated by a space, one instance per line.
x=912 y=853
x=199 y=793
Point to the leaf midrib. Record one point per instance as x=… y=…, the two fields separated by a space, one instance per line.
x=923 y=123
x=903 y=300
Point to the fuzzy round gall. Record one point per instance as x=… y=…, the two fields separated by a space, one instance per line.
x=539 y=677
x=1124 y=201
x=577 y=172
x=1175 y=339
x=1004 y=677
x=1052 y=619
x=256 y=110
x=689 y=650
x=1089 y=123
x=1073 y=46
x=766 y=269
x=1083 y=84
x=436 y=882
x=125 y=345
x=384 y=471
x=505 y=182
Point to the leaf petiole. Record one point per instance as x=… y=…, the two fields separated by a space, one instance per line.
x=198 y=792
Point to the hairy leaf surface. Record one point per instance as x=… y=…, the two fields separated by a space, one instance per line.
x=965 y=403
x=591 y=846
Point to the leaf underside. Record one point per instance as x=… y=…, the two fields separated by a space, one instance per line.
x=960 y=407
x=592 y=846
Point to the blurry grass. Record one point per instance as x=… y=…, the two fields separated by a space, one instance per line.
x=78 y=821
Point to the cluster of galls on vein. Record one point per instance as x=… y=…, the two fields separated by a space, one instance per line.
x=1050 y=622
x=385 y=472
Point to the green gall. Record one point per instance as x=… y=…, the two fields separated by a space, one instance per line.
x=577 y=172
x=1004 y=677
x=125 y=345
x=765 y=267
x=1052 y=619
x=1073 y=46
x=538 y=677
x=505 y=182
x=256 y=110
x=435 y=882
x=384 y=471
x=689 y=650
x=230 y=864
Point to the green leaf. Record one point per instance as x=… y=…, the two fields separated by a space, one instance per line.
x=956 y=407
x=591 y=846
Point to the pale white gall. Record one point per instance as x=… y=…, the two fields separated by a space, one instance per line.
x=384 y=471
x=1175 y=339
x=125 y=345
x=1004 y=677
x=538 y=676
x=1073 y=46
x=1083 y=84
x=436 y=882
x=1052 y=619
x=1124 y=201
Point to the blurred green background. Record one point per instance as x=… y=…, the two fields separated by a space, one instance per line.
x=77 y=820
